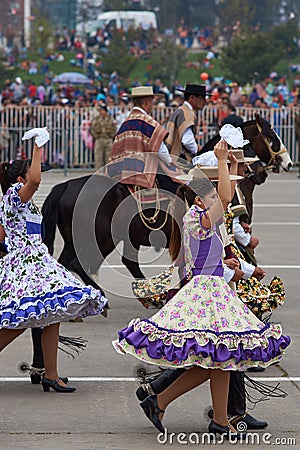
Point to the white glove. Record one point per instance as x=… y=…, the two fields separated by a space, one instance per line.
x=41 y=135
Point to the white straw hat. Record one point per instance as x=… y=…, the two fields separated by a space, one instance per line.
x=210 y=172
x=143 y=91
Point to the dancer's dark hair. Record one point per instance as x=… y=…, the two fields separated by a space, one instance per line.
x=185 y=197
x=10 y=171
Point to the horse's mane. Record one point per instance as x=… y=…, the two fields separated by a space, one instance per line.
x=265 y=125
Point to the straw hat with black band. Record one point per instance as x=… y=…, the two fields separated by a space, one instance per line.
x=210 y=172
x=143 y=91
x=239 y=154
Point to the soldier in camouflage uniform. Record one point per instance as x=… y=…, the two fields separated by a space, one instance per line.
x=297 y=131
x=103 y=130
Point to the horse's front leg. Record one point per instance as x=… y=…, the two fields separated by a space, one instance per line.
x=247 y=187
x=130 y=259
x=77 y=268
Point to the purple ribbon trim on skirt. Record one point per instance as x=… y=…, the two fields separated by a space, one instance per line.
x=158 y=350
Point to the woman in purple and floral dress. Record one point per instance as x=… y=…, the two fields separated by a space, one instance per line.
x=204 y=327
x=35 y=290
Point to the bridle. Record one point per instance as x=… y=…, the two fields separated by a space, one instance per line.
x=272 y=161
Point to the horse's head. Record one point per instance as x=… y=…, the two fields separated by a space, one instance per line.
x=283 y=158
x=265 y=142
x=269 y=147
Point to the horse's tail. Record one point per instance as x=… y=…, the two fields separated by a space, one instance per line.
x=50 y=211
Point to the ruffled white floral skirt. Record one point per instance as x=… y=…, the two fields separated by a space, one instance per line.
x=204 y=324
x=37 y=291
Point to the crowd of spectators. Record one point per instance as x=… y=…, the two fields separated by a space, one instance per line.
x=112 y=90
x=270 y=93
x=273 y=92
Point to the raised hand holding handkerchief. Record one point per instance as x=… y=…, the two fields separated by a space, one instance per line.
x=41 y=135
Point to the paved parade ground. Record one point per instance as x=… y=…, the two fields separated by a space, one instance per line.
x=104 y=413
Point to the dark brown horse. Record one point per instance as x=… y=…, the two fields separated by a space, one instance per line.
x=267 y=145
x=94 y=214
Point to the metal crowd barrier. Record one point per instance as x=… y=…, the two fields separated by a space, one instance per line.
x=71 y=146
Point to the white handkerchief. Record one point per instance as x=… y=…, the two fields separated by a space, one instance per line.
x=233 y=136
x=206 y=159
x=41 y=135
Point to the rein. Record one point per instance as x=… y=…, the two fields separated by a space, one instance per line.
x=273 y=154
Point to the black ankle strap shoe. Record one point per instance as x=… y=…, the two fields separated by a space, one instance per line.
x=152 y=411
x=215 y=428
x=54 y=384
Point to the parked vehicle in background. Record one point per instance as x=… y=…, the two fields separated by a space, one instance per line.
x=127 y=19
x=120 y=20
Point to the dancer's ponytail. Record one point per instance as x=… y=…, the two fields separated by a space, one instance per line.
x=5 y=184
x=180 y=209
x=9 y=172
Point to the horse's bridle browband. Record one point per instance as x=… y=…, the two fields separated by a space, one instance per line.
x=273 y=154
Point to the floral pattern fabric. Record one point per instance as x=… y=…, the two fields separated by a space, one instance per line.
x=205 y=323
x=35 y=290
x=153 y=291
x=261 y=299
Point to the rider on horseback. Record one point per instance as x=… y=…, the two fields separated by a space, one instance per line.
x=181 y=123
x=140 y=140
x=138 y=147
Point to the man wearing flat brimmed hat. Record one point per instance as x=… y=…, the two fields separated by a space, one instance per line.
x=138 y=148
x=181 y=123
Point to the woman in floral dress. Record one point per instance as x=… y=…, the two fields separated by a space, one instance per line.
x=36 y=291
x=204 y=327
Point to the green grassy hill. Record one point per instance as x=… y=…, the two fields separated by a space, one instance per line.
x=190 y=72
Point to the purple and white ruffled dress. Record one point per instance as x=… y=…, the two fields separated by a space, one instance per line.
x=35 y=290
x=204 y=324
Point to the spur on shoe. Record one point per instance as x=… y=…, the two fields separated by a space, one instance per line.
x=152 y=411
x=54 y=384
x=144 y=391
x=215 y=428
x=36 y=376
x=249 y=421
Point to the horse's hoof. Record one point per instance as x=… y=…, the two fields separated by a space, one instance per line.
x=105 y=312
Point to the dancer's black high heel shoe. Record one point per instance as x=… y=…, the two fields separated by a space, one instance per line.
x=215 y=428
x=152 y=411
x=36 y=376
x=47 y=384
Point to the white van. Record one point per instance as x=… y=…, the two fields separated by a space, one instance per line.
x=120 y=20
x=126 y=19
